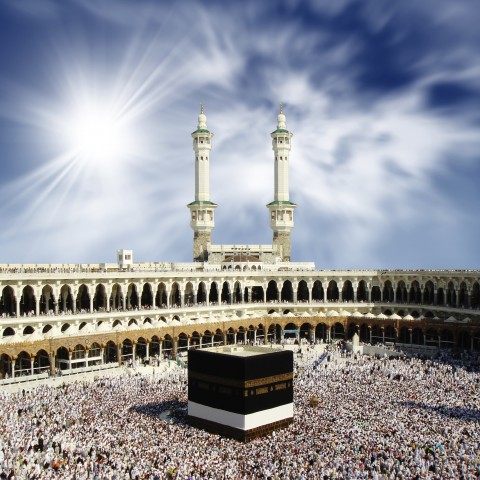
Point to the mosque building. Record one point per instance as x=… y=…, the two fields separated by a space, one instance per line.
x=76 y=317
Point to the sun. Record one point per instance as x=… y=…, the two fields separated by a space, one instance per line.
x=96 y=133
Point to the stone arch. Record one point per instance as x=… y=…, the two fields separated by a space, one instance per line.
x=161 y=297
x=5 y=366
x=237 y=292
x=415 y=294
x=78 y=356
x=188 y=294
x=401 y=292
x=417 y=336
x=23 y=365
x=440 y=296
x=475 y=296
x=141 y=348
x=364 y=333
x=332 y=291
x=116 y=297
x=27 y=301
x=388 y=293
x=46 y=328
x=464 y=340
x=127 y=350
x=447 y=339
x=201 y=294
x=272 y=291
x=111 y=352
x=390 y=335
x=66 y=299
x=318 y=295
x=362 y=291
x=213 y=294
x=62 y=359
x=226 y=296
x=287 y=291
x=347 y=291
x=100 y=298
x=28 y=330
x=42 y=362
x=175 y=296
x=376 y=294
x=404 y=335
x=338 y=331
x=83 y=298
x=377 y=334
x=432 y=337
x=429 y=293
x=8 y=303
x=65 y=327
x=146 y=299
x=47 y=300
x=302 y=291
x=451 y=295
x=132 y=296
x=257 y=294
x=321 y=332
x=8 y=332
x=463 y=295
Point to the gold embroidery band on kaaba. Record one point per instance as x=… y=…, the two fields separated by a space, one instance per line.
x=257 y=382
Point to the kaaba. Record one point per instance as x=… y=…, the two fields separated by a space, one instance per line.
x=241 y=392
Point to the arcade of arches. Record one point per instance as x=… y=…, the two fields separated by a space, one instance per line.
x=71 y=353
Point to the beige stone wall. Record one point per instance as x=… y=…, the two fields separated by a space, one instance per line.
x=200 y=242
x=282 y=241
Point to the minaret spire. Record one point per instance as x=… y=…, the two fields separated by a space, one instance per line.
x=202 y=208
x=281 y=209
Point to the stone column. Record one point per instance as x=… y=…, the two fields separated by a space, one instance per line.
x=52 y=363
x=224 y=338
x=411 y=336
x=14 y=360
x=119 y=354
x=147 y=350
x=175 y=347
x=32 y=360
x=70 y=360
x=383 y=335
x=200 y=341
x=134 y=351
x=370 y=334
x=102 y=355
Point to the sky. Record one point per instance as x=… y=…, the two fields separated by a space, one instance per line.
x=98 y=101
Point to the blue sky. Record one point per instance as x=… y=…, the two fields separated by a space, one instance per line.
x=382 y=98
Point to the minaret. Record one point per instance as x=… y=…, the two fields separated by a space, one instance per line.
x=281 y=209
x=202 y=209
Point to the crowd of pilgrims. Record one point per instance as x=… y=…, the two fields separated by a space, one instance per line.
x=377 y=418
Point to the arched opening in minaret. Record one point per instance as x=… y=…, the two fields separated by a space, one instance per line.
x=388 y=293
x=146 y=300
x=237 y=293
x=100 y=298
x=7 y=302
x=213 y=295
x=83 y=299
x=318 y=295
x=302 y=291
x=287 y=291
x=226 y=297
x=347 y=291
x=272 y=291
x=401 y=293
x=132 y=296
x=47 y=300
x=362 y=292
x=201 y=294
x=27 y=301
x=332 y=291
x=188 y=296
x=161 y=298
x=175 y=300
